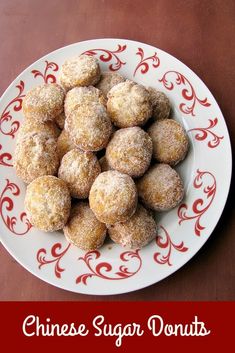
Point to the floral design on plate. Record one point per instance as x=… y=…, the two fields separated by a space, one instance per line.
x=5 y=158
x=7 y=204
x=105 y=270
x=106 y=55
x=188 y=93
x=164 y=242
x=6 y=116
x=143 y=64
x=56 y=254
x=204 y=132
x=200 y=205
x=47 y=77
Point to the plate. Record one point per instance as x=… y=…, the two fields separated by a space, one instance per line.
x=181 y=232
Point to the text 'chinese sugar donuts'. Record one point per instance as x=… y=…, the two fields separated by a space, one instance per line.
x=89 y=127
x=35 y=155
x=80 y=70
x=108 y=80
x=44 y=102
x=129 y=104
x=161 y=188
x=47 y=203
x=79 y=96
x=161 y=104
x=113 y=197
x=79 y=170
x=170 y=141
x=136 y=232
x=130 y=151
x=83 y=228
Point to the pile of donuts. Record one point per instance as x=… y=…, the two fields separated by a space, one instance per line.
x=97 y=153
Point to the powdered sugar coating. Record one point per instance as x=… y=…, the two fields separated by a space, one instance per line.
x=161 y=104
x=35 y=155
x=47 y=203
x=79 y=170
x=44 y=102
x=113 y=197
x=83 y=228
x=32 y=126
x=161 y=188
x=64 y=144
x=129 y=104
x=136 y=232
x=108 y=80
x=170 y=141
x=80 y=70
x=89 y=127
x=60 y=120
x=78 y=96
x=130 y=151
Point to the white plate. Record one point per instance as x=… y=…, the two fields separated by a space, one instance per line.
x=182 y=232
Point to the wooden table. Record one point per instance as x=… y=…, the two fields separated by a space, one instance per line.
x=201 y=33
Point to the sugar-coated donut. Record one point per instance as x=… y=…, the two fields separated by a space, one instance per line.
x=47 y=203
x=108 y=80
x=64 y=144
x=161 y=104
x=79 y=96
x=113 y=197
x=35 y=156
x=129 y=104
x=83 y=228
x=161 y=188
x=130 y=151
x=136 y=232
x=44 y=102
x=82 y=70
x=79 y=170
x=32 y=126
x=170 y=141
x=89 y=127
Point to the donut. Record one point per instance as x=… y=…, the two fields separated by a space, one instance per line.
x=83 y=228
x=129 y=104
x=32 y=126
x=89 y=127
x=79 y=170
x=160 y=103
x=82 y=70
x=64 y=144
x=170 y=141
x=130 y=151
x=136 y=232
x=35 y=156
x=108 y=80
x=113 y=197
x=47 y=203
x=78 y=96
x=161 y=188
x=44 y=102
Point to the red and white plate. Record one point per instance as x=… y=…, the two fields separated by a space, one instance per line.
x=181 y=233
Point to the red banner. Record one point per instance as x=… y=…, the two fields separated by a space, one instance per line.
x=117 y=326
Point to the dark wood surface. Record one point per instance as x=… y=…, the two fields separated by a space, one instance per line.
x=201 y=33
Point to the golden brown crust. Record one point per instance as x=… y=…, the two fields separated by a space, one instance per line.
x=47 y=203
x=130 y=151
x=161 y=188
x=83 y=228
x=32 y=126
x=161 y=104
x=79 y=170
x=64 y=144
x=44 y=102
x=129 y=104
x=136 y=232
x=80 y=70
x=170 y=141
x=35 y=156
x=113 y=197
